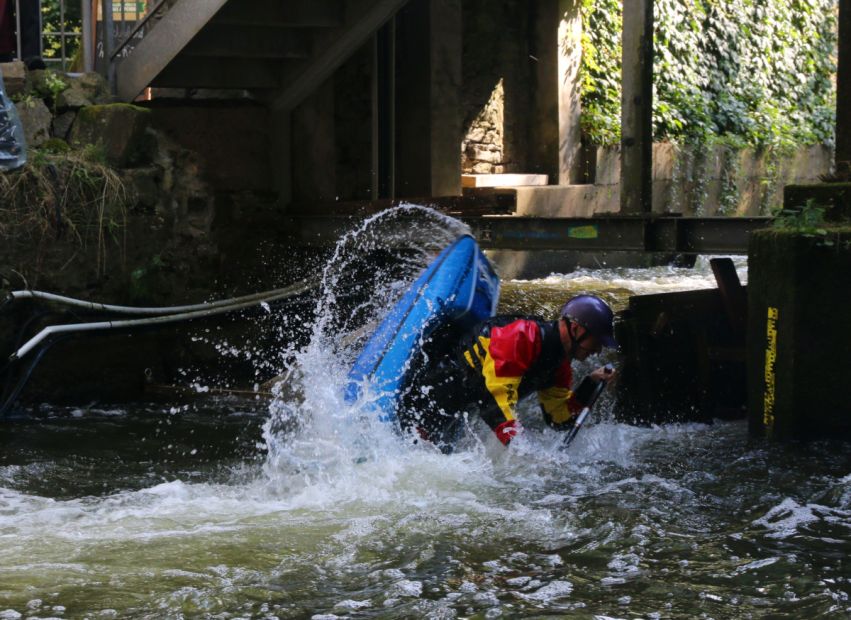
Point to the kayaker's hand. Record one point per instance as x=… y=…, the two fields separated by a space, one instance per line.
x=604 y=373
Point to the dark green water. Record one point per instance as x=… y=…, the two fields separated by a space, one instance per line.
x=305 y=508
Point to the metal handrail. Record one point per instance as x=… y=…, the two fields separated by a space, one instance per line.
x=139 y=25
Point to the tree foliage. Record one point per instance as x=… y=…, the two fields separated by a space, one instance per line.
x=751 y=72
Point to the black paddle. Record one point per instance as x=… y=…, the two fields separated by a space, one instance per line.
x=580 y=419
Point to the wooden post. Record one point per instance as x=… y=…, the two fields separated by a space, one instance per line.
x=637 y=107
x=843 y=91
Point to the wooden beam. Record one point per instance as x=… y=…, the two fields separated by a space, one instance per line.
x=637 y=107
x=362 y=18
x=162 y=44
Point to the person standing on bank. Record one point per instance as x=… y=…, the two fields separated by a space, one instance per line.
x=502 y=360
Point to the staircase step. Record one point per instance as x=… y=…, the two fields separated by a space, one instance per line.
x=194 y=72
x=313 y=14
x=249 y=42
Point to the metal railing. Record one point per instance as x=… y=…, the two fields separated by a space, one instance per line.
x=103 y=31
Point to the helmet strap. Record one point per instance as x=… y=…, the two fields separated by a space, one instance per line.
x=574 y=340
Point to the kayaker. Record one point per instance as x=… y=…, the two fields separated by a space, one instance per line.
x=502 y=360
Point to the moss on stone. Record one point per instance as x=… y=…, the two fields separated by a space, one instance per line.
x=120 y=128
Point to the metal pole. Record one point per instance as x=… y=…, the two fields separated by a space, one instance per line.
x=108 y=43
x=18 y=27
x=88 y=51
x=62 y=34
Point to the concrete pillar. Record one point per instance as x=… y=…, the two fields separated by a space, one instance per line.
x=313 y=149
x=569 y=60
x=799 y=335
x=428 y=102
x=637 y=107
x=843 y=90
x=543 y=123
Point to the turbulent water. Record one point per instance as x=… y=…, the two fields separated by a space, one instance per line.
x=306 y=507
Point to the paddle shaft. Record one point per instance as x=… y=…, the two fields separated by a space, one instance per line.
x=580 y=419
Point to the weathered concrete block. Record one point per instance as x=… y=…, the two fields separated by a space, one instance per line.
x=799 y=334
x=14 y=77
x=36 y=119
x=84 y=90
x=122 y=130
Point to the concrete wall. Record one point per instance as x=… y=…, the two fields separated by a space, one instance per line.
x=717 y=181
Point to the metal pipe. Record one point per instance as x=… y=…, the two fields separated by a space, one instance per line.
x=88 y=50
x=294 y=289
x=54 y=330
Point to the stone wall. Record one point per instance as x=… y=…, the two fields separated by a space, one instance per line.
x=496 y=86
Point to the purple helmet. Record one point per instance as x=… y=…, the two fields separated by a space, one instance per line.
x=593 y=314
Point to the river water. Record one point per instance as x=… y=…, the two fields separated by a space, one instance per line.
x=306 y=507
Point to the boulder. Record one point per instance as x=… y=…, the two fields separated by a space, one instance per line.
x=122 y=130
x=84 y=90
x=15 y=77
x=144 y=186
x=36 y=118
x=46 y=84
x=62 y=124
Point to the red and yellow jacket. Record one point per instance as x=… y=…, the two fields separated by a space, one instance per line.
x=511 y=357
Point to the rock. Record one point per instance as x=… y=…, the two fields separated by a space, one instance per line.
x=14 y=77
x=84 y=90
x=62 y=124
x=46 y=84
x=35 y=118
x=486 y=154
x=122 y=130
x=477 y=134
x=144 y=186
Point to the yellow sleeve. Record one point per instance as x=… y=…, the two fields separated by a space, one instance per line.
x=557 y=405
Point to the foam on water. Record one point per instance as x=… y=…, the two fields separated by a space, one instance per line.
x=342 y=517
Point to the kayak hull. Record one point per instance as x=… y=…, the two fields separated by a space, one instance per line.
x=459 y=286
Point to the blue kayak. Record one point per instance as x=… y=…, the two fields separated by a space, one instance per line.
x=459 y=286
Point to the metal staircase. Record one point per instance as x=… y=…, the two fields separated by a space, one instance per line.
x=280 y=49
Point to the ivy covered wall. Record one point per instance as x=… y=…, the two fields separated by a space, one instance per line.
x=756 y=73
